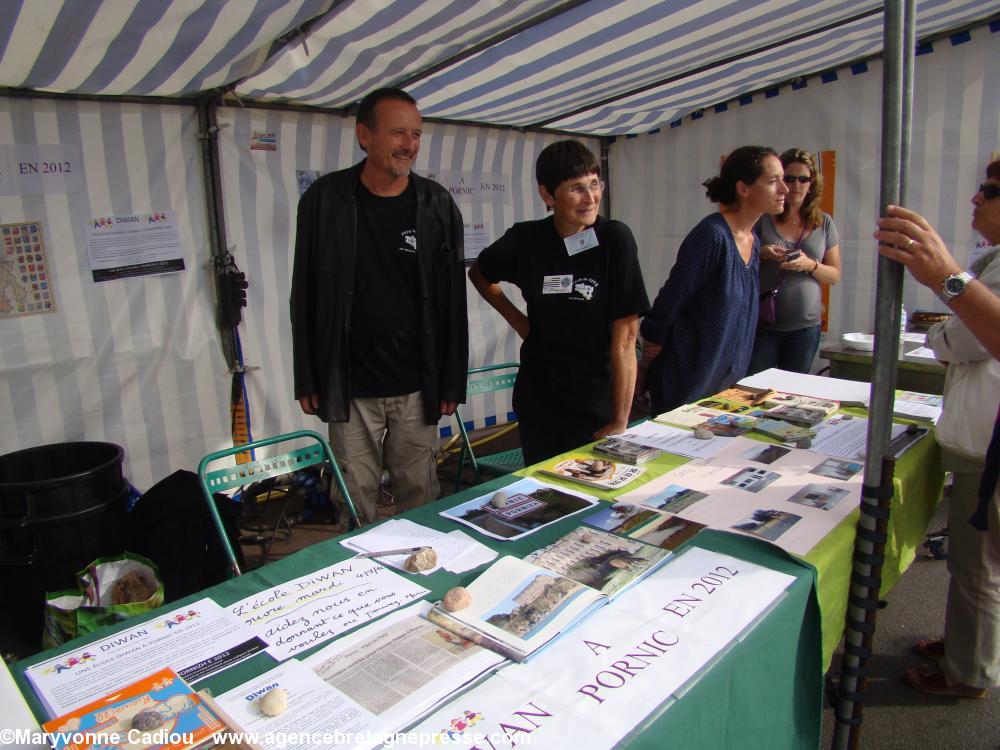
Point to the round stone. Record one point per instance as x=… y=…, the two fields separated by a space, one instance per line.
x=424 y=559
x=499 y=499
x=456 y=599
x=274 y=702
x=147 y=720
x=702 y=434
x=804 y=443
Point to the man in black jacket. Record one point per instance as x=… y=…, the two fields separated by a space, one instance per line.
x=379 y=326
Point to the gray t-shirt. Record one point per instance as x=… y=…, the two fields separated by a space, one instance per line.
x=799 y=303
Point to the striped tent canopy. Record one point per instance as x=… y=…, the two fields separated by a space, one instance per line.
x=598 y=67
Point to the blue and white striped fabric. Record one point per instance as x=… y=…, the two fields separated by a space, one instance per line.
x=141 y=47
x=603 y=67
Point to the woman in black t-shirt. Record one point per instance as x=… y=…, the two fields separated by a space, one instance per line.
x=579 y=275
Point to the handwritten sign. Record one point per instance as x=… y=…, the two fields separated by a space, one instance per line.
x=295 y=616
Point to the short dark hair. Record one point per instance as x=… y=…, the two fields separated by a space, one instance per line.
x=993 y=170
x=366 y=109
x=564 y=160
x=745 y=165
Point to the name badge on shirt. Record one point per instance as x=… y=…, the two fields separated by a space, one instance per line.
x=577 y=243
x=561 y=284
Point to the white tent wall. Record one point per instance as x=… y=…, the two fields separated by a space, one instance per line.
x=656 y=179
x=260 y=195
x=135 y=361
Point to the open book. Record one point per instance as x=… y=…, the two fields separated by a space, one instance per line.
x=520 y=606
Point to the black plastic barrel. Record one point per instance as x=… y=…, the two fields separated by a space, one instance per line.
x=61 y=506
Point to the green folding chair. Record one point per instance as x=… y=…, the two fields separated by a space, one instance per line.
x=492 y=464
x=317 y=451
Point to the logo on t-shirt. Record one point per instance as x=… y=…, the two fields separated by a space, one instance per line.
x=409 y=241
x=585 y=288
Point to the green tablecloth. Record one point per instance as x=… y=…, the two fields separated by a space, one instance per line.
x=724 y=707
x=763 y=691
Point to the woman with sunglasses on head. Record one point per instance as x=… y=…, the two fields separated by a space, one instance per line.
x=966 y=662
x=580 y=278
x=800 y=250
x=698 y=336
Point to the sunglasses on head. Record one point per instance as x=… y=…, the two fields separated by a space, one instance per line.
x=791 y=179
x=990 y=190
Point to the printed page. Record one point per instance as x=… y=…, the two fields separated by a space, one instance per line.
x=674 y=440
x=602 y=561
x=317 y=716
x=519 y=509
x=196 y=641
x=783 y=495
x=401 y=666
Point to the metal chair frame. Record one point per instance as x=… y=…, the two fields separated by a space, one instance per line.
x=494 y=464
x=235 y=477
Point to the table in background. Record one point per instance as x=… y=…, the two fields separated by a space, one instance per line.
x=854 y=364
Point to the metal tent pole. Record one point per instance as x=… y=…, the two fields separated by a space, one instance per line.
x=866 y=578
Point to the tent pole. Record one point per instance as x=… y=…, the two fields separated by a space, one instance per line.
x=208 y=133
x=897 y=90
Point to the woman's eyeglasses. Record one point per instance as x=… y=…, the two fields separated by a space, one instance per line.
x=990 y=190
x=791 y=179
x=581 y=190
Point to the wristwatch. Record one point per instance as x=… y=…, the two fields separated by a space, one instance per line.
x=954 y=285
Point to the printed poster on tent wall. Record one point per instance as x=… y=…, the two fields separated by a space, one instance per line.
x=25 y=286
x=144 y=244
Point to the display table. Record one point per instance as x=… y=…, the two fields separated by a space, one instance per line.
x=782 y=650
x=854 y=364
x=763 y=690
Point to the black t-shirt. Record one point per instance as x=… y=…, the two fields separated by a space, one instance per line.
x=385 y=312
x=572 y=301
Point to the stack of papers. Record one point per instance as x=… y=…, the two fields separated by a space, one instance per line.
x=456 y=551
x=847 y=392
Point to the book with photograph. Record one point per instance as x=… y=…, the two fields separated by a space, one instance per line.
x=825 y=405
x=803 y=416
x=626 y=451
x=689 y=415
x=163 y=708
x=519 y=607
x=783 y=431
x=519 y=509
x=729 y=425
x=598 y=473
x=745 y=394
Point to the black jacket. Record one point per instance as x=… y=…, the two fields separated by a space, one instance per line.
x=323 y=287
